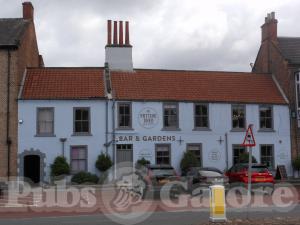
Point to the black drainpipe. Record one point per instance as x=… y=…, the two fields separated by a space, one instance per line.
x=8 y=139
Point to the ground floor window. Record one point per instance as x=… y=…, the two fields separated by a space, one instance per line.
x=237 y=151
x=78 y=158
x=267 y=155
x=163 y=154
x=197 y=150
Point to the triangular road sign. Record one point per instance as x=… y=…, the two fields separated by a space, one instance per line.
x=249 y=140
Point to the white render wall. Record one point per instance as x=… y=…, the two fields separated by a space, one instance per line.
x=214 y=153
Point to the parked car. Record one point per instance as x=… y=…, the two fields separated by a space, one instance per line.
x=200 y=178
x=260 y=175
x=157 y=176
x=149 y=181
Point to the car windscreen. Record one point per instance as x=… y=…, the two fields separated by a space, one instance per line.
x=162 y=172
x=257 y=169
x=205 y=173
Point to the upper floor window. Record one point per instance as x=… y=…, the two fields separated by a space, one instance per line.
x=265 y=117
x=124 y=115
x=82 y=120
x=170 y=115
x=238 y=117
x=45 y=122
x=201 y=116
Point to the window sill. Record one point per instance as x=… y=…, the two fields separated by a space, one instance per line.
x=238 y=130
x=266 y=130
x=170 y=129
x=201 y=129
x=81 y=134
x=45 y=135
x=124 y=128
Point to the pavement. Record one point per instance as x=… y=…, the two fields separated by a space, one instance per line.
x=32 y=208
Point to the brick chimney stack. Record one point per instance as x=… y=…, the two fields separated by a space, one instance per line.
x=269 y=28
x=118 y=51
x=28 y=11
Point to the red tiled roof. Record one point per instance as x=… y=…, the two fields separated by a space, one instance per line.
x=152 y=85
x=209 y=86
x=63 y=83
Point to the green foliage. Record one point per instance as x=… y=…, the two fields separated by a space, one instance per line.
x=103 y=162
x=244 y=158
x=85 y=178
x=60 y=167
x=296 y=163
x=188 y=160
x=142 y=162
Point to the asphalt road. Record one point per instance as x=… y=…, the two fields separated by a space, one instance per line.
x=163 y=218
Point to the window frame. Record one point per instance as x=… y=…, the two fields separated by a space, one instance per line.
x=86 y=159
x=245 y=117
x=201 y=151
x=273 y=155
x=38 y=134
x=118 y=116
x=74 y=121
x=272 y=118
x=233 y=155
x=169 y=150
x=208 y=122
x=297 y=91
x=177 y=116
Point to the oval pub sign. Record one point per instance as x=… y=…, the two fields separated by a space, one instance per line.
x=148 y=118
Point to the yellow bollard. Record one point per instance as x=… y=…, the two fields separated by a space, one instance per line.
x=217 y=204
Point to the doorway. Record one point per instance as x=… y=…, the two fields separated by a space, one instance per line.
x=32 y=165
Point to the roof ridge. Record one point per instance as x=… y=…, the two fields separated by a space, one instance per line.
x=206 y=71
x=73 y=67
x=286 y=37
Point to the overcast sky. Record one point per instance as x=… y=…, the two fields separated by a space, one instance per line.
x=168 y=34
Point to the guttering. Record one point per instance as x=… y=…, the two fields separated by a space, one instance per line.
x=226 y=150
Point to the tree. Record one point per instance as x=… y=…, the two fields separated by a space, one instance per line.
x=60 y=167
x=103 y=162
x=244 y=158
x=188 y=160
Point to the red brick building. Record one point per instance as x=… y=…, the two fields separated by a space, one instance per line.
x=280 y=56
x=18 y=50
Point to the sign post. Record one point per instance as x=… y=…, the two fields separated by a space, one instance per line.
x=249 y=142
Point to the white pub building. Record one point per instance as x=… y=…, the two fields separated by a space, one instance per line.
x=158 y=114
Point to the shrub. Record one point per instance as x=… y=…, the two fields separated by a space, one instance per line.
x=296 y=164
x=103 y=162
x=142 y=162
x=60 y=167
x=244 y=158
x=85 y=177
x=188 y=160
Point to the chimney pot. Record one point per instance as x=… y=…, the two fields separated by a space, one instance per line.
x=108 y=32
x=127 y=42
x=28 y=11
x=121 y=33
x=115 y=33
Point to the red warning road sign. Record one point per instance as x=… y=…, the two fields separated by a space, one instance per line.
x=249 y=140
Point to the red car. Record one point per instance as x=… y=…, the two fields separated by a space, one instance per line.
x=261 y=176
